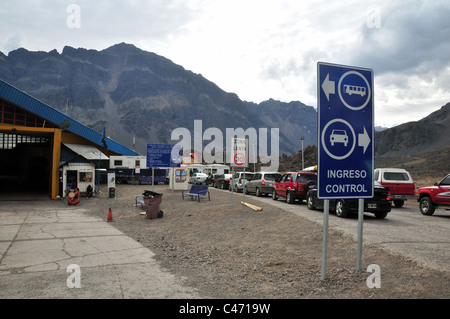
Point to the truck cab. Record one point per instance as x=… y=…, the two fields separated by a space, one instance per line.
x=431 y=197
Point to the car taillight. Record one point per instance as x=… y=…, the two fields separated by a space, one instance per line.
x=388 y=197
x=263 y=182
x=240 y=180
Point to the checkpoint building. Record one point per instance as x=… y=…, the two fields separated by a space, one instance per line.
x=38 y=143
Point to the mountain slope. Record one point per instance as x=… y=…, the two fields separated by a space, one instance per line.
x=134 y=93
x=412 y=138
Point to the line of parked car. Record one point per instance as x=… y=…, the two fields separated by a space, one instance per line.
x=392 y=186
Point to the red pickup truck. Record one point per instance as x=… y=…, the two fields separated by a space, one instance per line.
x=398 y=180
x=431 y=197
x=293 y=185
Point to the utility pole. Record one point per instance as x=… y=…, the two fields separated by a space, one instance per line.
x=303 y=154
x=254 y=158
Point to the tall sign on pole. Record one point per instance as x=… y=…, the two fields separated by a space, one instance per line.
x=345 y=111
x=345 y=125
x=238 y=158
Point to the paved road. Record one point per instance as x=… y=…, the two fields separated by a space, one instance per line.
x=405 y=231
x=40 y=239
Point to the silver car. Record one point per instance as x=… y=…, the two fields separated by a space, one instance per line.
x=238 y=181
x=261 y=183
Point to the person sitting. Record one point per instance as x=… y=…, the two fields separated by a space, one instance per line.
x=89 y=191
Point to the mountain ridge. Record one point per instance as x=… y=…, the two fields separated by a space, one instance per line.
x=133 y=92
x=136 y=93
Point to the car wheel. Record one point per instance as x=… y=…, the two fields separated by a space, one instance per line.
x=340 y=209
x=380 y=215
x=399 y=203
x=246 y=190
x=289 y=198
x=310 y=202
x=426 y=206
x=258 y=193
x=274 y=195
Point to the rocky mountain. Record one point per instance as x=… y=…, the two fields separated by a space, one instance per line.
x=295 y=120
x=412 y=138
x=135 y=93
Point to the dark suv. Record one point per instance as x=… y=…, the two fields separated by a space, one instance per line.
x=293 y=185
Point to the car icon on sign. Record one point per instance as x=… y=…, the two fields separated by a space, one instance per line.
x=339 y=136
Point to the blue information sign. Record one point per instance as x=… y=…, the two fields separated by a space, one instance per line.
x=345 y=131
x=163 y=155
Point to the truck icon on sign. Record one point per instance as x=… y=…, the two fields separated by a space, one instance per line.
x=339 y=136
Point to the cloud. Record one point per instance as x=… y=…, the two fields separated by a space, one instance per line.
x=263 y=49
x=410 y=33
x=43 y=25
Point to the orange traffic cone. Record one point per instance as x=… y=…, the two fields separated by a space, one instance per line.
x=110 y=218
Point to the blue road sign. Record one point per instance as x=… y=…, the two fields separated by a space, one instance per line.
x=346 y=131
x=163 y=155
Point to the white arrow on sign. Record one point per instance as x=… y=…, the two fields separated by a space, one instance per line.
x=364 y=140
x=328 y=87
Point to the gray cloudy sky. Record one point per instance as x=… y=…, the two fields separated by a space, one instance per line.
x=262 y=49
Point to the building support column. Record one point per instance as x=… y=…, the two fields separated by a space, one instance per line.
x=56 y=156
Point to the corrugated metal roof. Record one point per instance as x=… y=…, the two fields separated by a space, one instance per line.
x=30 y=103
x=87 y=151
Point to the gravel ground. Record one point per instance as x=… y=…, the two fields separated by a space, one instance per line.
x=226 y=250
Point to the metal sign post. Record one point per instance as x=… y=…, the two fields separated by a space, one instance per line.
x=345 y=136
x=239 y=158
x=326 y=212
x=360 y=234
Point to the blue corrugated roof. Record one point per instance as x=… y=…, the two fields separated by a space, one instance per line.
x=28 y=102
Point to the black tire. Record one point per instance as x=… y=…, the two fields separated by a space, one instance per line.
x=399 y=203
x=426 y=206
x=246 y=190
x=258 y=193
x=340 y=209
x=380 y=215
x=290 y=199
x=274 y=195
x=310 y=202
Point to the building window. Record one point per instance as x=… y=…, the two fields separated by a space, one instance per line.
x=86 y=177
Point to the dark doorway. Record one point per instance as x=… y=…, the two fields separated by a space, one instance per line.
x=72 y=179
x=25 y=165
